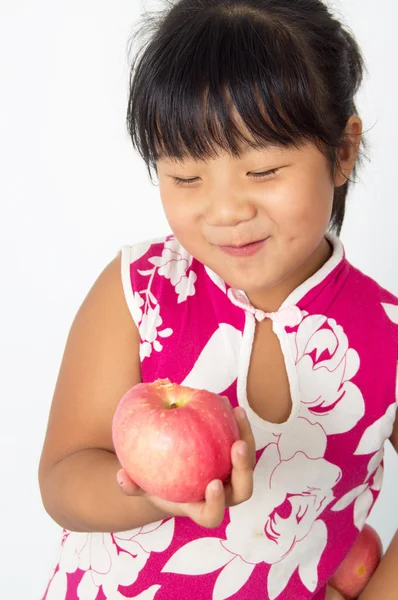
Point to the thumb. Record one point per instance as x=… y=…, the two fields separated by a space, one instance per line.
x=127 y=485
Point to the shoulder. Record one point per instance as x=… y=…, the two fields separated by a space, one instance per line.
x=375 y=298
x=105 y=300
x=380 y=312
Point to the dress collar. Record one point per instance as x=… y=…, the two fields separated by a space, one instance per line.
x=289 y=314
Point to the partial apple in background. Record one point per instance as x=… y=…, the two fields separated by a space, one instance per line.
x=173 y=440
x=359 y=565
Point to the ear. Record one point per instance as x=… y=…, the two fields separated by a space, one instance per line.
x=347 y=154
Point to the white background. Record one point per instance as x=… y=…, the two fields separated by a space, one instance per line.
x=72 y=191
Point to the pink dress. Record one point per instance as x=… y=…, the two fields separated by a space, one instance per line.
x=317 y=475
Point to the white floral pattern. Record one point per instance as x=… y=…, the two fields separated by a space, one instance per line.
x=293 y=483
x=109 y=560
x=375 y=435
x=284 y=525
x=224 y=343
x=372 y=441
x=173 y=264
x=392 y=311
x=258 y=531
x=325 y=365
x=362 y=495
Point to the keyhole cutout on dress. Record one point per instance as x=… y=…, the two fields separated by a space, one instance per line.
x=268 y=388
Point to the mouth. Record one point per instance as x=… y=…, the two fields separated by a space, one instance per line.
x=246 y=249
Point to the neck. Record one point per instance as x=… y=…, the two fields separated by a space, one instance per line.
x=270 y=300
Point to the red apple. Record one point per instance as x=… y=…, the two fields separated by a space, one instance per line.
x=173 y=440
x=359 y=565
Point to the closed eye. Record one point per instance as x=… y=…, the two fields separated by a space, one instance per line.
x=181 y=182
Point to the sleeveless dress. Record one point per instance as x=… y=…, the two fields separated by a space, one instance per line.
x=317 y=475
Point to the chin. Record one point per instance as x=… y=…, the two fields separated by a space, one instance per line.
x=259 y=288
x=252 y=285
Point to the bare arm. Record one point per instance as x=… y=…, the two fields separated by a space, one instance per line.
x=85 y=496
x=78 y=466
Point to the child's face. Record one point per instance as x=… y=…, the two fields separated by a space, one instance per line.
x=227 y=205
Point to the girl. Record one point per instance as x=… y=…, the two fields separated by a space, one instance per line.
x=245 y=109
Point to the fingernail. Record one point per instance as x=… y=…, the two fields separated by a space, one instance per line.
x=241 y=414
x=216 y=487
x=242 y=449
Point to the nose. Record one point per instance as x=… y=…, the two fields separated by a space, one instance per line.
x=228 y=208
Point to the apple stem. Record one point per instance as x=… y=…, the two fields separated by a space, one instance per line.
x=174 y=405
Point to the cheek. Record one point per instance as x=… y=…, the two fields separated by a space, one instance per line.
x=307 y=202
x=180 y=209
x=179 y=215
x=169 y=204
x=179 y=219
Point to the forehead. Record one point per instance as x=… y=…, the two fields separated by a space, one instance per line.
x=245 y=149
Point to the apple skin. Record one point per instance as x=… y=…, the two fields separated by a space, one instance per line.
x=173 y=440
x=359 y=565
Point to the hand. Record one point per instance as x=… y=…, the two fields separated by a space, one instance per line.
x=332 y=594
x=239 y=487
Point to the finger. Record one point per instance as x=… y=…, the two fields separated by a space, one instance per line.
x=127 y=485
x=210 y=512
x=240 y=487
x=245 y=433
x=332 y=594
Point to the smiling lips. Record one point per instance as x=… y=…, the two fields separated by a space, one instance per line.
x=247 y=250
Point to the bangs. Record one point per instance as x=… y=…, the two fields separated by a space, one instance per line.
x=219 y=82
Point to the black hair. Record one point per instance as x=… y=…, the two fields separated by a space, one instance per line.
x=289 y=67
